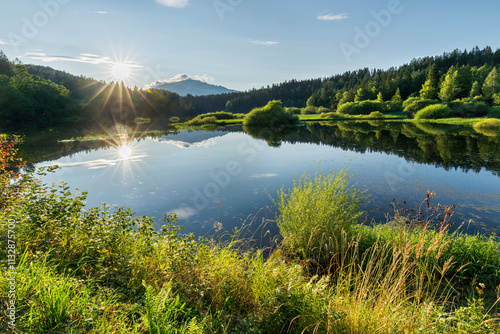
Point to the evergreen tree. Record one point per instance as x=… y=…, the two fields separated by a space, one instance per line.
x=362 y=95
x=480 y=74
x=5 y=65
x=491 y=84
x=380 y=97
x=397 y=101
x=462 y=82
x=347 y=96
x=496 y=99
x=475 y=90
x=430 y=89
x=446 y=92
x=335 y=101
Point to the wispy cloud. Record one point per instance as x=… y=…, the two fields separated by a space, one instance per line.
x=263 y=176
x=101 y=12
x=332 y=17
x=82 y=58
x=96 y=164
x=184 y=212
x=257 y=42
x=174 y=3
x=184 y=76
x=2 y=42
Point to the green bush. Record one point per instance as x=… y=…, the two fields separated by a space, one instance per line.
x=434 y=111
x=469 y=110
x=221 y=115
x=271 y=115
x=376 y=114
x=293 y=110
x=331 y=115
x=409 y=101
x=202 y=120
x=413 y=105
x=322 y=110
x=346 y=108
x=361 y=108
x=209 y=120
x=310 y=110
x=494 y=112
x=213 y=117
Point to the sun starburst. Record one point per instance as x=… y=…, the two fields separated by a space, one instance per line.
x=120 y=72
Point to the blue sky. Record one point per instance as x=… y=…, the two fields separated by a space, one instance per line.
x=239 y=44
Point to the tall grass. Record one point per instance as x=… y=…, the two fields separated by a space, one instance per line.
x=47 y=302
x=315 y=211
x=107 y=271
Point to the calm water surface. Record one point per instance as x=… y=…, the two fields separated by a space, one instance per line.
x=225 y=176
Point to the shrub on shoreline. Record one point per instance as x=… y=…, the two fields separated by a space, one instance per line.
x=494 y=112
x=213 y=118
x=469 y=110
x=272 y=115
x=415 y=104
x=434 y=111
x=361 y=108
x=376 y=114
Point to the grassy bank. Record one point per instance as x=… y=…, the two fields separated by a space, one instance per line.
x=209 y=122
x=105 y=270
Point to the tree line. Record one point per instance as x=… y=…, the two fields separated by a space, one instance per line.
x=39 y=96
x=451 y=76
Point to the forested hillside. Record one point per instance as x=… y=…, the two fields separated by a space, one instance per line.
x=38 y=96
x=455 y=75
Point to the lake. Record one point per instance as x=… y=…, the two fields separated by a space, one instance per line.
x=225 y=176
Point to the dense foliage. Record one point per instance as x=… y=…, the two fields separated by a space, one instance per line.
x=27 y=100
x=361 y=108
x=414 y=104
x=455 y=75
x=434 y=111
x=37 y=96
x=272 y=115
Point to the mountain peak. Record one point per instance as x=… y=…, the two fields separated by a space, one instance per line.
x=184 y=84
